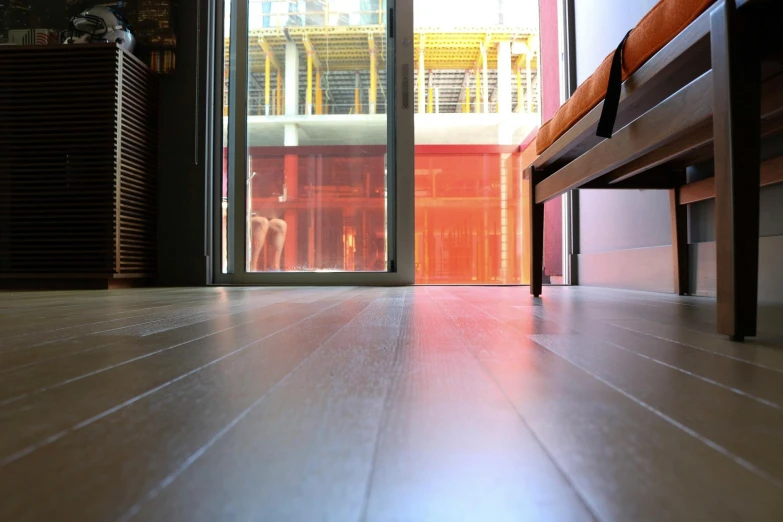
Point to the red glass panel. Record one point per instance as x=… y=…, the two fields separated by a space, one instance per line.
x=469 y=215
x=470 y=211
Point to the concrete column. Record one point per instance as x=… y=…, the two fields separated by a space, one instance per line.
x=291 y=79
x=477 y=109
x=291 y=137
x=528 y=83
x=290 y=193
x=485 y=79
x=373 y=105
x=267 y=85
x=279 y=95
x=430 y=94
x=357 y=102
x=505 y=132
x=504 y=77
x=319 y=94
x=537 y=85
x=309 y=97
x=422 y=79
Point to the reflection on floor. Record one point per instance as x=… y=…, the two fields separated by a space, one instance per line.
x=425 y=403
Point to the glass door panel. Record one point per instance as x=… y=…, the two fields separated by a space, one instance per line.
x=313 y=157
x=477 y=107
x=317 y=135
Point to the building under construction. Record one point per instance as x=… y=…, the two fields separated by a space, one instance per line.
x=317 y=134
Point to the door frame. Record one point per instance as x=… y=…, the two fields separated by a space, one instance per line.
x=568 y=84
x=400 y=159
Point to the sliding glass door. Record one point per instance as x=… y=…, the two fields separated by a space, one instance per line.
x=478 y=102
x=317 y=177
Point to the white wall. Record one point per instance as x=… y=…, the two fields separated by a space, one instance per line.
x=613 y=220
x=600 y=25
x=621 y=219
x=623 y=233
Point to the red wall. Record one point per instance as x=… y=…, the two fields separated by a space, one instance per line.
x=465 y=233
x=550 y=94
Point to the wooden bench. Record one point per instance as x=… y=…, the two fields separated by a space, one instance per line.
x=703 y=95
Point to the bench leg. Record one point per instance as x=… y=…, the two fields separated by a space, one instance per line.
x=536 y=234
x=679 y=221
x=736 y=68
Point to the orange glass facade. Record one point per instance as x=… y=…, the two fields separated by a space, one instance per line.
x=469 y=215
x=332 y=200
x=468 y=210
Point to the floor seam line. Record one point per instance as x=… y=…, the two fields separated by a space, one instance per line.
x=168 y=480
x=384 y=418
x=53 y=438
x=590 y=509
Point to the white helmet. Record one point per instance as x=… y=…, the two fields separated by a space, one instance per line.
x=100 y=24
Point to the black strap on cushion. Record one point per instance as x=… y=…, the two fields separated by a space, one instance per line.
x=612 y=100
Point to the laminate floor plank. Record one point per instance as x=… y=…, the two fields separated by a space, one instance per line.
x=162 y=430
x=37 y=322
x=745 y=429
x=305 y=451
x=81 y=400
x=451 y=446
x=29 y=355
x=21 y=336
x=376 y=404
x=24 y=300
x=632 y=304
x=35 y=337
x=101 y=353
x=748 y=378
x=116 y=303
x=625 y=459
x=764 y=351
x=693 y=316
x=25 y=354
x=697 y=313
x=42 y=315
x=713 y=357
x=43 y=310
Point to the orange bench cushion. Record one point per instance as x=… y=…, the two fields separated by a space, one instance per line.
x=665 y=21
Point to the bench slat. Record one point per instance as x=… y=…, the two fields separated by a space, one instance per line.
x=691 y=141
x=678 y=63
x=690 y=107
x=771 y=113
x=704 y=189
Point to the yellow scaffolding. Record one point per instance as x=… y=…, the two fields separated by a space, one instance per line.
x=456 y=48
x=363 y=48
x=422 y=60
x=312 y=60
x=479 y=91
x=430 y=95
x=319 y=94
x=269 y=60
x=280 y=91
x=373 y=75
x=357 y=100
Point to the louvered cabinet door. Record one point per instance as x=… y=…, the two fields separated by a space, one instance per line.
x=137 y=166
x=78 y=162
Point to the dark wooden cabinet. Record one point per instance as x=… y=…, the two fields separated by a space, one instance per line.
x=78 y=165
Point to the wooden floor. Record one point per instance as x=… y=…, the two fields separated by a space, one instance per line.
x=401 y=404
